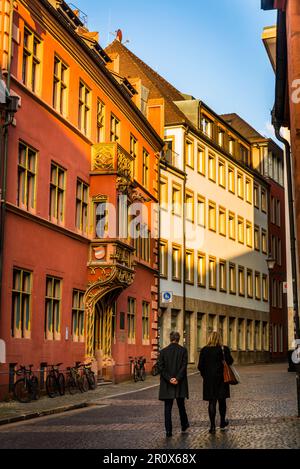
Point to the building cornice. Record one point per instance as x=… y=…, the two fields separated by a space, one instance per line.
x=92 y=65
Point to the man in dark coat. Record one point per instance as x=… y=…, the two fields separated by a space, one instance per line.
x=172 y=364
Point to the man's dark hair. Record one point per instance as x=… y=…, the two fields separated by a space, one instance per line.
x=174 y=337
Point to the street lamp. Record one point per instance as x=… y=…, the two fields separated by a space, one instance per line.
x=271 y=262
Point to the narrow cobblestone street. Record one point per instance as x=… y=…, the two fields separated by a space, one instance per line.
x=262 y=413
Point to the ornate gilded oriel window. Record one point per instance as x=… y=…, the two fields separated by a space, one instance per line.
x=21 y=304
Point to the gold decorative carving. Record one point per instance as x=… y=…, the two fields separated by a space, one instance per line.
x=103 y=157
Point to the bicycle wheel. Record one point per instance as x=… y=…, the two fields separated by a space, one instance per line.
x=91 y=380
x=51 y=386
x=34 y=388
x=61 y=384
x=155 y=370
x=136 y=374
x=83 y=383
x=21 y=391
x=71 y=385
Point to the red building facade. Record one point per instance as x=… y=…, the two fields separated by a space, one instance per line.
x=76 y=284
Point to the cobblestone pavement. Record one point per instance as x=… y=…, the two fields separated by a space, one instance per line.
x=262 y=413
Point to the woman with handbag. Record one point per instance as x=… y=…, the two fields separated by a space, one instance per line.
x=211 y=367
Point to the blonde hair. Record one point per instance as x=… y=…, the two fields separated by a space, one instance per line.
x=214 y=339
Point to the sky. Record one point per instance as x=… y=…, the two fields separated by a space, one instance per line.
x=211 y=49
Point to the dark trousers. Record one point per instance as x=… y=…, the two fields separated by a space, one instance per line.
x=168 y=413
x=212 y=410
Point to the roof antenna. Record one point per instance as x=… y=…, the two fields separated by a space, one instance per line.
x=119 y=36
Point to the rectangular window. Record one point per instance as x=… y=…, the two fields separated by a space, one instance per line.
x=241 y=230
x=134 y=154
x=256 y=238
x=131 y=320
x=163 y=258
x=201 y=161
x=256 y=195
x=114 y=129
x=278 y=213
x=145 y=243
x=232 y=226
x=223 y=275
x=84 y=108
x=60 y=86
x=57 y=193
x=240 y=185
x=31 y=66
x=176 y=200
x=146 y=321
x=263 y=201
x=146 y=158
x=249 y=283
x=189 y=206
x=201 y=270
x=82 y=197
x=212 y=167
x=21 y=304
x=274 y=293
x=280 y=295
x=176 y=263
x=201 y=211
x=279 y=252
x=231 y=179
x=221 y=135
x=273 y=210
x=222 y=221
x=241 y=334
x=26 y=177
x=249 y=234
x=100 y=121
x=257 y=286
x=265 y=287
x=248 y=191
x=212 y=263
x=200 y=320
x=53 y=308
x=212 y=222
x=189 y=266
x=232 y=278
x=241 y=278
x=78 y=316
x=164 y=199
x=189 y=151
x=207 y=126
x=264 y=241
x=222 y=173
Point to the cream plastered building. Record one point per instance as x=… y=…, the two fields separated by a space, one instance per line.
x=213 y=247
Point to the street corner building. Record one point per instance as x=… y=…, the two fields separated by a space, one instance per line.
x=222 y=215
x=76 y=284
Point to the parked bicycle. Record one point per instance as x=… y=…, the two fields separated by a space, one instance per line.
x=55 y=382
x=138 y=370
x=27 y=388
x=90 y=375
x=155 y=371
x=76 y=381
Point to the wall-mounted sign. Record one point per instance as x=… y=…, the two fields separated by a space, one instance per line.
x=167 y=297
x=2 y=351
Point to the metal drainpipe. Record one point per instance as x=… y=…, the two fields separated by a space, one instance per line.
x=4 y=156
x=184 y=243
x=277 y=128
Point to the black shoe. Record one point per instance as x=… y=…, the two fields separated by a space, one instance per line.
x=169 y=434
x=224 y=425
x=185 y=427
x=212 y=430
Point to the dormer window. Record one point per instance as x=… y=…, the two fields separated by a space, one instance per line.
x=221 y=134
x=206 y=125
x=231 y=145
